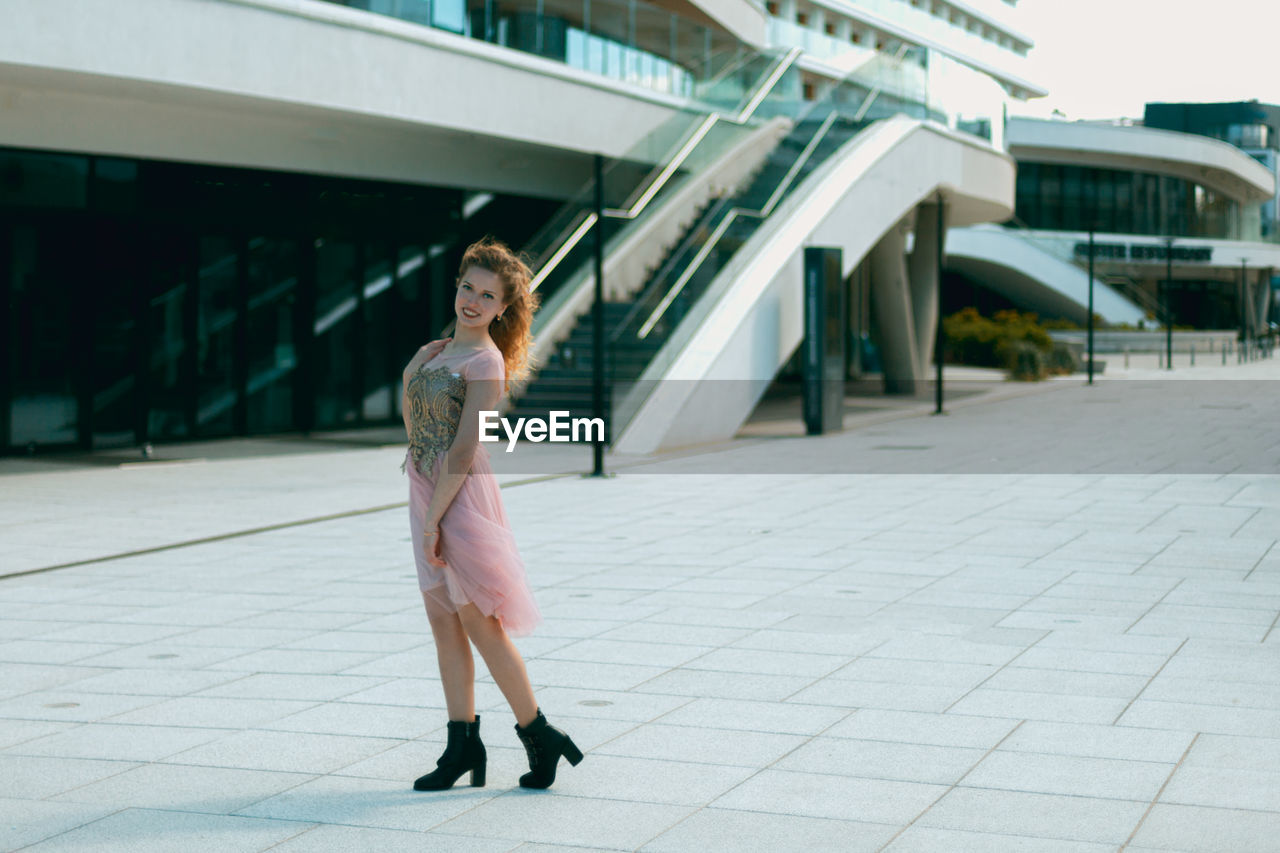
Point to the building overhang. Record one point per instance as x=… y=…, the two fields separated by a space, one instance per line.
x=1210 y=162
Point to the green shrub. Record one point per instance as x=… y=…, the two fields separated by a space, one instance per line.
x=990 y=342
x=1063 y=361
x=1023 y=360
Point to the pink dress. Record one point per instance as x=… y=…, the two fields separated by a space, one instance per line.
x=482 y=565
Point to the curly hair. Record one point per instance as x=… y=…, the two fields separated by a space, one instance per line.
x=512 y=331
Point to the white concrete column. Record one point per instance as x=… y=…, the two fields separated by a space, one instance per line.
x=891 y=296
x=922 y=268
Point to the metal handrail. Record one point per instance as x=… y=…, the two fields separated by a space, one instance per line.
x=664 y=175
x=732 y=216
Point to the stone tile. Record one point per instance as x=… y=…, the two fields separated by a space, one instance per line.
x=1035 y=815
x=849 y=694
x=727 y=829
x=1225 y=788
x=603 y=676
x=1207 y=691
x=1040 y=706
x=369 y=802
x=687 y=635
x=160 y=831
x=918 y=839
x=777 y=717
x=758 y=662
x=1216 y=719
x=568 y=821
x=1067 y=683
x=707 y=746
x=615 y=651
x=725 y=685
x=211 y=712
x=215 y=790
x=297 y=661
x=24 y=821
x=873 y=759
x=928 y=729
x=359 y=720
x=1242 y=753
x=1099 y=741
x=154 y=682
x=1107 y=778
x=1197 y=829
x=818 y=795
x=287 y=752
x=113 y=742
x=329 y=838
x=30 y=777
x=934 y=673
x=1087 y=660
x=272 y=685
x=67 y=704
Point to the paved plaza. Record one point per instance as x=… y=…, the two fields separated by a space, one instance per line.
x=1046 y=621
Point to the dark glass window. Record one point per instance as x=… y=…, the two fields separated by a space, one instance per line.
x=43 y=354
x=43 y=180
x=335 y=327
x=216 y=317
x=272 y=322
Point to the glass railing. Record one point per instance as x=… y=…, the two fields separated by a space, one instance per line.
x=653 y=169
x=623 y=40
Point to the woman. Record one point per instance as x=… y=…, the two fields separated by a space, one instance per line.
x=470 y=573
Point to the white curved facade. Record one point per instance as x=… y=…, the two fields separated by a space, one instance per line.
x=1208 y=161
x=309 y=86
x=1192 y=246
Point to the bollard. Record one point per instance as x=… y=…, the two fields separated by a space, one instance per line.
x=1126 y=358
x=1224 y=355
x=1160 y=360
x=1193 y=355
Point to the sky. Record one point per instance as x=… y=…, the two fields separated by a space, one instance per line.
x=1106 y=58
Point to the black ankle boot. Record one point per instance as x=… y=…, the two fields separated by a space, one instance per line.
x=464 y=752
x=545 y=744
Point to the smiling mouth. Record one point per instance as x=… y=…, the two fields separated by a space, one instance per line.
x=470 y=315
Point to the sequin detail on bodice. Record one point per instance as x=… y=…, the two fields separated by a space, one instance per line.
x=434 y=401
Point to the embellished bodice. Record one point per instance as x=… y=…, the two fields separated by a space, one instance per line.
x=433 y=401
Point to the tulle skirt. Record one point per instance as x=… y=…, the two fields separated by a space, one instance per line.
x=482 y=565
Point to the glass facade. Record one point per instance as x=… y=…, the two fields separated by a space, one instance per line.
x=147 y=301
x=1076 y=198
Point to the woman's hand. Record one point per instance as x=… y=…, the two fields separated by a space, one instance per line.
x=431 y=545
x=431 y=350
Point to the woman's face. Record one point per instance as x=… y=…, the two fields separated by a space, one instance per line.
x=479 y=299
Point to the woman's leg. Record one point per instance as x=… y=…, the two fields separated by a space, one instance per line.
x=503 y=660
x=457 y=667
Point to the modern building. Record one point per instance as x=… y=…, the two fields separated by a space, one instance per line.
x=1252 y=127
x=228 y=217
x=1176 y=222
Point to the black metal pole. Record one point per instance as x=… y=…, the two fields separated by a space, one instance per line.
x=1244 y=308
x=939 y=337
x=1168 y=312
x=1089 y=321
x=597 y=325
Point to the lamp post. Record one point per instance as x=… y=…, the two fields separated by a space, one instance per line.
x=597 y=325
x=1244 y=309
x=939 y=340
x=1168 y=314
x=1089 y=321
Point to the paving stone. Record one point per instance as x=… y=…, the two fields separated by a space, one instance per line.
x=729 y=829
x=1035 y=815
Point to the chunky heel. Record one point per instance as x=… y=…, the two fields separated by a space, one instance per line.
x=544 y=744
x=463 y=753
